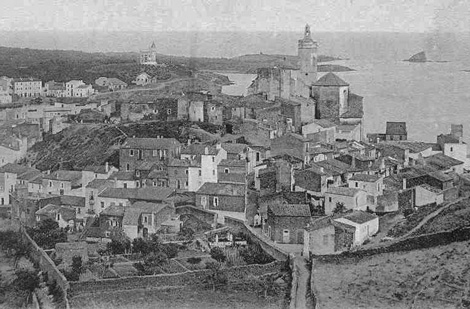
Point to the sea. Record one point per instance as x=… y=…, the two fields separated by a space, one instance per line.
x=428 y=96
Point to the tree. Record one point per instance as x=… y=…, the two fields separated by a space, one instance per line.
x=140 y=245
x=118 y=246
x=218 y=254
x=47 y=234
x=340 y=208
x=26 y=281
x=171 y=250
x=266 y=283
x=254 y=254
x=216 y=277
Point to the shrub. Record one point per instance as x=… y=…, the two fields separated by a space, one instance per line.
x=194 y=260
x=218 y=254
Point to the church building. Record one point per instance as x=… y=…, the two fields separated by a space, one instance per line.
x=330 y=94
x=149 y=57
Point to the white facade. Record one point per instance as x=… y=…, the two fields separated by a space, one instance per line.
x=196 y=111
x=27 y=87
x=363 y=230
x=13 y=152
x=358 y=201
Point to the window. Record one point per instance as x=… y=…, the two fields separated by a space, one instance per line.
x=212 y=108
x=257 y=157
x=168 y=111
x=131 y=152
x=325 y=240
x=146 y=219
x=213 y=172
x=451 y=148
x=79 y=210
x=62 y=185
x=213 y=159
x=329 y=199
x=125 y=185
x=154 y=183
x=226 y=171
x=357 y=184
x=155 y=153
x=186 y=172
x=203 y=200
x=102 y=204
x=128 y=167
x=50 y=184
x=200 y=172
x=216 y=201
x=186 y=184
x=137 y=184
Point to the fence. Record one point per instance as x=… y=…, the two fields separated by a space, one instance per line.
x=46 y=264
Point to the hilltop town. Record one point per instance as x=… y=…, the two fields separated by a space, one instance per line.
x=165 y=181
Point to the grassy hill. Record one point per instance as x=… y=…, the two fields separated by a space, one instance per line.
x=64 y=65
x=81 y=145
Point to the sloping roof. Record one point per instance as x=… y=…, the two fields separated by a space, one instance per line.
x=222 y=189
x=232 y=163
x=332 y=166
x=320 y=223
x=324 y=123
x=71 y=200
x=309 y=179
x=116 y=81
x=14 y=168
x=199 y=149
x=99 y=169
x=234 y=148
x=100 y=183
x=132 y=213
x=343 y=191
x=395 y=128
x=255 y=101
x=441 y=161
x=183 y=163
x=145 y=166
x=29 y=175
x=448 y=139
x=50 y=210
x=113 y=210
x=63 y=175
x=157 y=174
x=150 y=143
x=365 y=178
x=359 y=217
x=414 y=147
x=147 y=193
x=122 y=175
x=330 y=80
x=355 y=107
x=440 y=176
x=290 y=210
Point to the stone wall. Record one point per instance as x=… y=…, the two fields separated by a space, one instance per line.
x=170 y=280
x=408 y=244
x=39 y=256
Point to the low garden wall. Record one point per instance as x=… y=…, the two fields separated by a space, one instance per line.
x=170 y=280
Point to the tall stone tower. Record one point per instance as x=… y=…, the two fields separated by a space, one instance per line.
x=308 y=58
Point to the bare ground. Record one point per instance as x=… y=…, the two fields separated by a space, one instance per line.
x=183 y=298
x=432 y=278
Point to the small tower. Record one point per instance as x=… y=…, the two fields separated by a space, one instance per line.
x=307 y=50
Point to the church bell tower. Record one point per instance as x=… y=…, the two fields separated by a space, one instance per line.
x=307 y=51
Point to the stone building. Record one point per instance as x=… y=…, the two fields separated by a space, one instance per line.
x=149 y=56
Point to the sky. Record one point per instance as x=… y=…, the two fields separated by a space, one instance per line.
x=236 y=15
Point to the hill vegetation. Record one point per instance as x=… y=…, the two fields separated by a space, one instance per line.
x=81 y=145
x=64 y=65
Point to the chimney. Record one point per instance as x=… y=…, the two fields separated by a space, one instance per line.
x=382 y=164
x=218 y=146
x=206 y=150
x=115 y=182
x=404 y=183
x=106 y=167
x=322 y=170
x=353 y=161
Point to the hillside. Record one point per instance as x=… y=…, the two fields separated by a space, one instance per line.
x=64 y=65
x=81 y=145
x=431 y=278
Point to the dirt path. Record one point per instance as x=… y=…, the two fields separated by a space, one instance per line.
x=301 y=301
x=431 y=216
